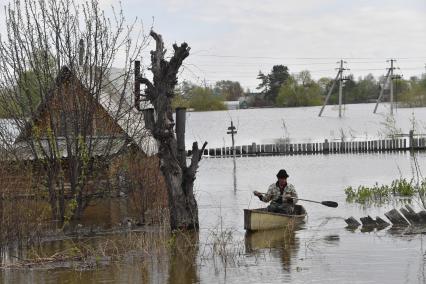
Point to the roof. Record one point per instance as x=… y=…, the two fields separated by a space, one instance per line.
x=114 y=99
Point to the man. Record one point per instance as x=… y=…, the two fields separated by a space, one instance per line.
x=282 y=195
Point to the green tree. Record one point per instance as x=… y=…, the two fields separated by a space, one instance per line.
x=299 y=90
x=277 y=77
x=413 y=93
x=362 y=91
x=264 y=82
x=230 y=90
x=203 y=99
x=271 y=83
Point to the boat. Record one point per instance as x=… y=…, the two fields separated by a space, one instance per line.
x=262 y=219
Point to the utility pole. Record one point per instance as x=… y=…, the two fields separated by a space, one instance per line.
x=340 y=78
x=232 y=130
x=388 y=80
x=340 y=87
x=391 y=86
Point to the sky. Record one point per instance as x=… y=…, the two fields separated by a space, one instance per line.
x=234 y=40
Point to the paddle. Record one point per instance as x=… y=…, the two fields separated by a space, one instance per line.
x=325 y=203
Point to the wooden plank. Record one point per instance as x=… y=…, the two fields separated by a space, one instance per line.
x=326 y=147
x=267 y=148
x=368 y=222
x=422 y=216
x=381 y=223
x=352 y=222
x=396 y=218
x=244 y=149
x=412 y=218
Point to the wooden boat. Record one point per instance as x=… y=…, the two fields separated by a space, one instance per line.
x=261 y=219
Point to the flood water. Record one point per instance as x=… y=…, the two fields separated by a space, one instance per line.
x=320 y=250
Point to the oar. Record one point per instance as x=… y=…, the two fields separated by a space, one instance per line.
x=326 y=203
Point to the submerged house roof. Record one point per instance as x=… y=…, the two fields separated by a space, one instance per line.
x=117 y=112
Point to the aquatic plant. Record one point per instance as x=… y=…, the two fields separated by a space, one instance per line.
x=381 y=193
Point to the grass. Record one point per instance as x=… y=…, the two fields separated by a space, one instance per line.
x=380 y=194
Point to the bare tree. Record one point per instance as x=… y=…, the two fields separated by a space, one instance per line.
x=179 y=177
x=55 y=70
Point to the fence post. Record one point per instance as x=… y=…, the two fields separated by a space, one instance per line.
x=411 y=139
x=326 y=147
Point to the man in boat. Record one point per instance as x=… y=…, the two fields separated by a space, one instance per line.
x=282 y=195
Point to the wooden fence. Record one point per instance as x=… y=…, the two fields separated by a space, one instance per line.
x=400 y=144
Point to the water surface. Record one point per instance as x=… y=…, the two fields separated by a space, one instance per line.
x=319 y=251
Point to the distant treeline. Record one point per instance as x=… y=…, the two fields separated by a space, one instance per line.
x=279 y=88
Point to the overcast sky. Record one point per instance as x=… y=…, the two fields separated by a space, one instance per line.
x=233 y=40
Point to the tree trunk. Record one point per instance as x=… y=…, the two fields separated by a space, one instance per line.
x=179 y=178
x=183 y=207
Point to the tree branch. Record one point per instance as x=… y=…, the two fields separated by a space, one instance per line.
x=196 y=157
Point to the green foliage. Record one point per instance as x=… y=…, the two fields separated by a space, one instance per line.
x=230 y=90
x=299 y=90
x=203 y=99
x=199 y=98
x=361 y=91
x=381 y=194
x=271 y=83
x=415 y=94
x=179 y=101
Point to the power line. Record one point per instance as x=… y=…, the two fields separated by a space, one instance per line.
x=298 y=58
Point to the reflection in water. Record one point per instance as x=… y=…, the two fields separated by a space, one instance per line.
x=183 y=253
x=147 y=257
x=332 y=239
x=235 y=175
x=282 y=243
